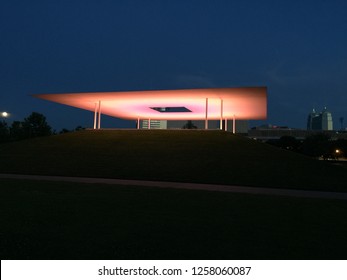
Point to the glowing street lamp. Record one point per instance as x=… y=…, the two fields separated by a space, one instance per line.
x=4 y=115
x=337 y=153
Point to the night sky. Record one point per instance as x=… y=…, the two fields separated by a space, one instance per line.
x=298 y=49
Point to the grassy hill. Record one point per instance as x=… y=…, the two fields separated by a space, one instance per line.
x=65 y=220
x=170 y=155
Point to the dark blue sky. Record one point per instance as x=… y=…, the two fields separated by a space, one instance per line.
x=296 y=48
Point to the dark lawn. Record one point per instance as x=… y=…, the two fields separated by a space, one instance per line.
x=170 y=155
x=55 y=220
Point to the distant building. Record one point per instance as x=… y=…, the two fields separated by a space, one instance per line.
x=313 y=122
x=154 y=124
x=271 y=132
x=320 y=121
x=241 y=126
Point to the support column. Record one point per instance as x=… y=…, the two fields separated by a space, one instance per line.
x=206 y=114
x=226 y=124
x=221 y=115
x=138 y=123
x=149 y=123
x=99 y=119
x=234 y=124
x=95 y=115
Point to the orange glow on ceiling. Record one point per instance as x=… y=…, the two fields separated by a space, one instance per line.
x=248 y=103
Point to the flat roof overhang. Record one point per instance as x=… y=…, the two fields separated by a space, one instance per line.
x=244 y=103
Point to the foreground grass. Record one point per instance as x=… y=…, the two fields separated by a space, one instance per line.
x=55 y=220
x=185 y=156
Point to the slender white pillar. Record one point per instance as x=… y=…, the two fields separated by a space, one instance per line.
x=138 y=123
x=226 y=124
x=234 y=124
x=99 y=118
x=149 y=123
x=95 y=114
x=221 y=115
x=206 y=114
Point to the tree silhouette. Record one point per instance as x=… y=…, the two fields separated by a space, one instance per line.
x=316 y=145
x=4 y=132
x=288 y=142
x=36 y=125
x=189 y=125
x=16 y=131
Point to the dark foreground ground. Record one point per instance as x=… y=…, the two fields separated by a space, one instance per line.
x=55 y=220
x=199 y=156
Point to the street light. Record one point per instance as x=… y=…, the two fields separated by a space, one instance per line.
x=337 y=154
x=4 y=114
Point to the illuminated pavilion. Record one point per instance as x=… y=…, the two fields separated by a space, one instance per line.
x=223 y=104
